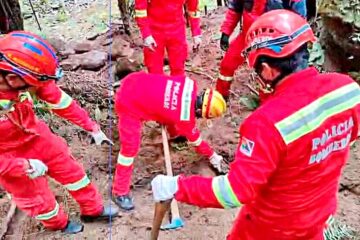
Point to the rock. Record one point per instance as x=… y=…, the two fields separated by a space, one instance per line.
x=67 y=52
x=121 y=48
x=125 y=66
x=70 y=64
x=107 y=42
x=57 y=43
x=92 y=36
x=81 y=47
x=92 y=60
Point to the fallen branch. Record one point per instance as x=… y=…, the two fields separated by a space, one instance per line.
x=201 y=73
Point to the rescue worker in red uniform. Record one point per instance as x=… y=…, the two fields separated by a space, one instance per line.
x=171 y=101
x=162 y=26
x=246 y=11
x=292 y=148
x=28 y=148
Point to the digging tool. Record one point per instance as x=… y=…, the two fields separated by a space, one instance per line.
x=36 y=18
x=160 y=209
x=176 y=221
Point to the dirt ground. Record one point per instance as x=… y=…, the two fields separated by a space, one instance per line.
x=221 y=133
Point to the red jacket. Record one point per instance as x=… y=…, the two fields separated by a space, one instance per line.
x=161 y=15
x=167 y=100
x=290 y=156
x=20 y=124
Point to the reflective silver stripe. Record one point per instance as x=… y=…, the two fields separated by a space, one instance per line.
x=64 y=102
x=48 y=215
x=224 y=192
x=78 y=184
x=186 y=100
x=314 y=114
x=125 y=161
x=140 y=13
x=226 y=78
x=197 y=142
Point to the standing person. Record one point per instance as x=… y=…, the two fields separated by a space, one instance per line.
x=292 y=148
x=162 y=26
x=246 y=11
x=28 y=148
x=171 y=101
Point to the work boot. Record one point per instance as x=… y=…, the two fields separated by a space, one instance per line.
x=107 y=213
x=73 y=227
x=124 y=202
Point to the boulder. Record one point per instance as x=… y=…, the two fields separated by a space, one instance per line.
x=92 y=60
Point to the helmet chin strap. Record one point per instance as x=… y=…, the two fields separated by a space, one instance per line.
x=266 y=86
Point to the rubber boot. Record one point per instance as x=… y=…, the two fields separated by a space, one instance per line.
x=107 y=213
x=124 y=202
x=73 y=227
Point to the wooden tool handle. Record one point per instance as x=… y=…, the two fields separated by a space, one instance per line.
x=166 y=152
x=160 y=209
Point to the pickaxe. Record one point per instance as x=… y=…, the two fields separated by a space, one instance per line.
x=162 y=207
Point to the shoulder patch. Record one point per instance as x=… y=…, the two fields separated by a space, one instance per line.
x=246 y=146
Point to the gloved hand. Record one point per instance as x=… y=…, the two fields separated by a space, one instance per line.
x=216 y=161
x=197 y=42
x=150 y=43
x=99 y=137
x=164 y=187
x=37 y=168
x=223 y=87
x=224 y=42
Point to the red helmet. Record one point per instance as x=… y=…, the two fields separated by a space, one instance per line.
x=277 y=34
x=30 y=57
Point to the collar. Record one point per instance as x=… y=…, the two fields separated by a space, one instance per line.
x=295 y=78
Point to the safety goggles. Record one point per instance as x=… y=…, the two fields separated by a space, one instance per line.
x=276 y=44
x=41 y=77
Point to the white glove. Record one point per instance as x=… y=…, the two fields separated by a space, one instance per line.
x=216 y=161
x=38 y=168
x=197 y=42
x=100 y=137
x=150 y=43
x=164 y=187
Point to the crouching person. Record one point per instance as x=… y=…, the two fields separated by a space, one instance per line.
x=170 y=101
x=28 y=149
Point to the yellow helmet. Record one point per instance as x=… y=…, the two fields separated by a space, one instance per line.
x=213 y=104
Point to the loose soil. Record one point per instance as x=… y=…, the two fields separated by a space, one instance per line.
x=222 y=134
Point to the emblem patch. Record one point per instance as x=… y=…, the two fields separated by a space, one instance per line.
x=246 y=146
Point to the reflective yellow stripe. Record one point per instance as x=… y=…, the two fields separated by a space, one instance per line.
x=225 y=78
x=195 y=14
x=6 y=105
x=196 y=143
x=140 y=13
x=64 y=102
x=78 y=184
x=48 y=215
x=224 y=192
x=125 y=161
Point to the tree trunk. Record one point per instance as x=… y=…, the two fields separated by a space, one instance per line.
x=125 y=15
x=10 y=16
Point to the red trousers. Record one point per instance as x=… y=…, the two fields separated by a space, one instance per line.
x=174 y=42
x=34 y=196
x=129 y=128
x=231 y=61
x=245 y=227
